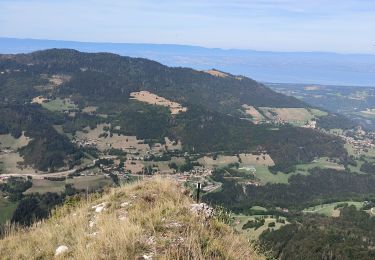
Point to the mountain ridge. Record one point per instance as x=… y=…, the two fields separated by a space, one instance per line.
x=284 y=67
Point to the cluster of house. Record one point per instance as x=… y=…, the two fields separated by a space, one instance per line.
x=85 y=143
x=310 y=124
x=360 y=140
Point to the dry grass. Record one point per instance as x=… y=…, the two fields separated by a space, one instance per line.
x=58 y=80
x=254 y=159
x=291 y=115
x=221 y=160
x=153 y=99
x=250 y=110
x=39 y=100
x=217 y=73
x=156 y=223
x=89 y=109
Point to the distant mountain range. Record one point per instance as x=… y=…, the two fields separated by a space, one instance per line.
x=282 y=67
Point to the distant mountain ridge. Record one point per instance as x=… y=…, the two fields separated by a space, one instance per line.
x=286 y=67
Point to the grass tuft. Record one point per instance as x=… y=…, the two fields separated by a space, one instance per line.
x=150 y=218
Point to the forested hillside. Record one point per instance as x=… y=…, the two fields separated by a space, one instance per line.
x=213 y=122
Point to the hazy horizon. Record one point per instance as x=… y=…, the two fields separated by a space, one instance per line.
x=279 y=67
x=183 y=45
x=263 y=25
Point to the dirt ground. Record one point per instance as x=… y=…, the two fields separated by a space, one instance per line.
x=150 y=98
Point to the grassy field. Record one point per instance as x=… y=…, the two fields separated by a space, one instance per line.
x=329 y=209
x=59 y=105
x=317 y=112
x=163 y=166
x=13 y=143
x=258 y=208
x=6 y=210
x=81 y=182
x=369 y=156
x=240 y=220
x=266 y=176
x=221 y=160
x=294 y=116
x=321 y=163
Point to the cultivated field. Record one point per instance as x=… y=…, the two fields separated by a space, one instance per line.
x=253 y=159
x=150 y=98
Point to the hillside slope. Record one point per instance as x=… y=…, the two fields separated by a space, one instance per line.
x=148 y=219
x=59 y=85
x=99 y=76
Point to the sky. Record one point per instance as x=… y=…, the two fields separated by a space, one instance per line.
x=344 y=26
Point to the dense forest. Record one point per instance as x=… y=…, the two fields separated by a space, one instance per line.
x=104 y=76
x=349 y=236
x=321 y=186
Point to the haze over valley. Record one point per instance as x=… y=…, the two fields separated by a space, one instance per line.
x=263 y=148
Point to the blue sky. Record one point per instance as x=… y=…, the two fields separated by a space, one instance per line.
x=346 y=26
